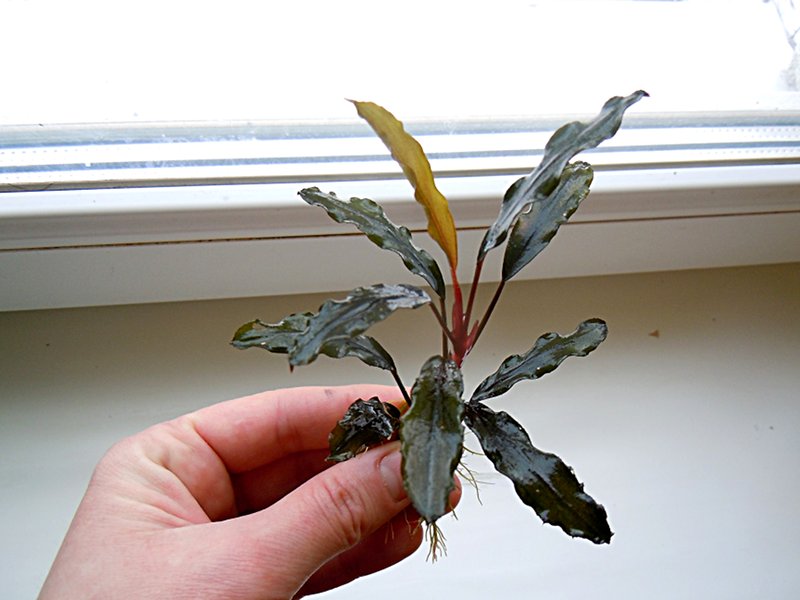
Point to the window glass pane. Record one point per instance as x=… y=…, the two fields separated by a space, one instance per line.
x=102 y=94
x=150 y=60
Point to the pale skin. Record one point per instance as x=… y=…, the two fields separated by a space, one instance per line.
x=235 y=501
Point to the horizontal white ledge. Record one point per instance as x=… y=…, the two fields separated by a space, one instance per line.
x=68 y=218
x=69 y=248
x=73 y=277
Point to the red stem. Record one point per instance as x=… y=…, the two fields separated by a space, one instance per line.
x=442 y=323
x=459 y=337
x=489 y=310
x=445 y=347
x=472 y=290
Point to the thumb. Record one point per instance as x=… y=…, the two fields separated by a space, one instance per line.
x=330 y=513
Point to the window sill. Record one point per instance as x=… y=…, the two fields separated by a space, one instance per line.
x=75 y=248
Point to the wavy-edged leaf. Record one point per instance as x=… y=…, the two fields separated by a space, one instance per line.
x=278 y=337
x=411 y=158
x=547 y=353
x=432 y=435
x=281 y=337
x=536 y=226
x=565 y=143
x=366 y=423
x=352 y=316
x=368 y=216
x=362 y=347
x=541 y=479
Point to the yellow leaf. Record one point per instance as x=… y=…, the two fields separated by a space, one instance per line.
x=409 y=154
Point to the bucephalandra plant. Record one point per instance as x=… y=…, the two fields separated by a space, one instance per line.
x=431 y=425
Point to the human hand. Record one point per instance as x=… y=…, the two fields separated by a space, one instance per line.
x=235 y=501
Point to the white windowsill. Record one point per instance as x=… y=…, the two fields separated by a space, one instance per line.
x=96 y=247
x=122 y=222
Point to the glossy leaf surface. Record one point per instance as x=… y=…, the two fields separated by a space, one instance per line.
x=432 y=434
x=362 y=347
x=565 y=143
x=281 y=338
x=549 y=351
x=352 y=316
x=541 y=479
x=366 y=423
x=411 y=158
x=278 y=337
x=370 y=219
x=536 y=226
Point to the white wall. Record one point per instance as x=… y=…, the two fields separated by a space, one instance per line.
x=690 y=439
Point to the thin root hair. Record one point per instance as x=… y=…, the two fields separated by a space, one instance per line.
x=436 y=542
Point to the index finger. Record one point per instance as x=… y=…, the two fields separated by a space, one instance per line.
x=252 y=431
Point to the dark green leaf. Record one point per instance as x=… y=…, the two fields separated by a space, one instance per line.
x=366 y=423
x=565 y=143
x=352 y=316
x=548 y=352
x=370 y=219
x=432 y=434
x=541 y=480
x=278 y=338
x=281 y=337
x=362 y=347
x=536 y=226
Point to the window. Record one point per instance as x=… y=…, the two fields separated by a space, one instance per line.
x=148 y=61
x=135 y=124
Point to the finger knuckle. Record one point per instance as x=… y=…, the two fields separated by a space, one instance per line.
x=345 y=510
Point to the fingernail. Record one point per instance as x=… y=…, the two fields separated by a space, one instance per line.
x=392 y=476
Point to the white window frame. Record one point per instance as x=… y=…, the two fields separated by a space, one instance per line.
x=716 y=191
x=165 y=198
